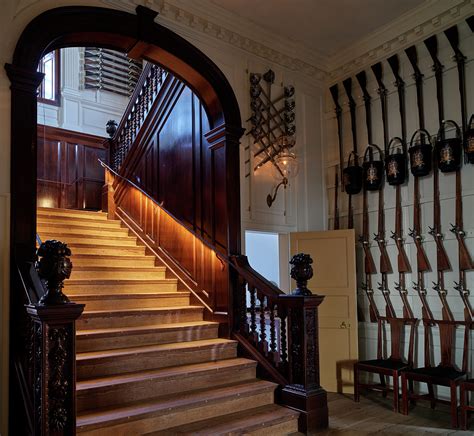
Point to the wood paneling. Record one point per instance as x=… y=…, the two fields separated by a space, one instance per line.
x=68 y=172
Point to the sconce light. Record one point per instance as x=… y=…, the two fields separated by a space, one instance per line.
x=285 y=167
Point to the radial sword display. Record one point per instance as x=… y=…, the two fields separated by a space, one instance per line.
x=403 y=264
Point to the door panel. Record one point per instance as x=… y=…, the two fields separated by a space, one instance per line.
x=333 y=254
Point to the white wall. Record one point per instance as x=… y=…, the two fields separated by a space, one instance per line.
x=262 y=250
x=367 y=331
x=82 y=110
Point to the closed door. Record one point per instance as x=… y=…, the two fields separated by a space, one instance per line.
x=333 y=254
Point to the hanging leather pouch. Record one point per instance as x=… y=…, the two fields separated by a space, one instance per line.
x=352 y=175
x=396 y=162
x=469 y=144
x=421 y=154
x=372 y=169
x=448 y=150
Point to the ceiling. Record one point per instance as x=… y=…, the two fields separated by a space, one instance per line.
x=323 y=26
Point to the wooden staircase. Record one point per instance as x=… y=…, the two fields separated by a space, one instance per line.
x=147 y=362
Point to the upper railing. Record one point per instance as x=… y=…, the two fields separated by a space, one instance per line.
x=145 y=93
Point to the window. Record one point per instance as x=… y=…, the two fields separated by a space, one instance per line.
x=111 y=71
x=49 y=87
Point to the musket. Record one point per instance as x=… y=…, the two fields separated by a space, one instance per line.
x=336 y=209
x=335 y=96
x=362 y=79
x=403 y=263
x=442 y=260
x=352 y=109
x=382 y=91
x=369 y=264
x=465 y=261
x=418 y=76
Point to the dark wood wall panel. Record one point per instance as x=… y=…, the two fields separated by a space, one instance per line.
x=68 y=172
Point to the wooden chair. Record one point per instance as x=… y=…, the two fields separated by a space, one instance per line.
x=391 y=366
x=445 y=374
x=466 y=386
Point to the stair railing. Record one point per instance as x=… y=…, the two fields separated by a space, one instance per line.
x=45 y=356
x=146 y=91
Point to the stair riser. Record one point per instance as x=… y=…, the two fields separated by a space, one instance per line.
x=107 y=251
x=142 y=319
x=131 y=303
x=95 y=224
x=113 y=395
x=117 y=275
x=72 y=230
x=284 y=428
x=139 y=339
x=89 y=288
x=73 y=214
x=181 y=417
x=100 y=367
x=145 y=262
x=86 y=239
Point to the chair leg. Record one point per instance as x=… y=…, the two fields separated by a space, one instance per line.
x=356 y=384
x=384 y=385
x=454 y=405
x=404 y=395
x=464 y=403
x=432 y=396
x=411 y=390
x=395 y=391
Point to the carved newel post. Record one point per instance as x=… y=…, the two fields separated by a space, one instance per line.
x=304 y=392
x=54 y=318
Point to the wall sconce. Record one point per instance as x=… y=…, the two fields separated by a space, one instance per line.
x=273 y=129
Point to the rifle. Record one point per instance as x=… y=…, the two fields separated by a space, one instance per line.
x=432 y=45
x=369 y=265
x=465 y=261
x=352 y=108
x=335 y=96
x=382 y=91
x=362 y=79
x=336 y=209
x=402 y=260
x=418 y=76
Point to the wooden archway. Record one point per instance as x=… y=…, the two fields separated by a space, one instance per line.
x=139 y=36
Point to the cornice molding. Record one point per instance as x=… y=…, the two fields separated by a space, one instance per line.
x=432 y=17
x=184 y=19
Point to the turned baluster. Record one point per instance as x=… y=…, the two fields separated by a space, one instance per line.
x=283 y=340
x=253 y=314
x=263 y=333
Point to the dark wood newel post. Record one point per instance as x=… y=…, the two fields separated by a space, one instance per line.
x=54 y=363
x=304 y=392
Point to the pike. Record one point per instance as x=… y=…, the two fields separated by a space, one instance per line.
x=465 y=261
x=352 y=109
x=335 y=96
x=442 y=260
x=403 y=263
x=369 y=265
x=422 y=262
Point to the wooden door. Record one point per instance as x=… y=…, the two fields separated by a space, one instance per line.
x=334 y=265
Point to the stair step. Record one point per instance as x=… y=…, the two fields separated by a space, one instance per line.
x=70 y=239
x=98 y=319
x=66 y=227
x=125 y=360
x=131 y=301
x=105 y=250
x=144 y=417
x=73 y=213
x=113 y=338
x=132 y=272
x=266 y=420
x=107 y=391
x=123 y=261
x=84 y=286
x=77 y=221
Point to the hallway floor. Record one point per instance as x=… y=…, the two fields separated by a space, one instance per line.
x=373 y=416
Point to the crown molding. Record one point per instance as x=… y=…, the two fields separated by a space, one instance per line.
x=431 y=17
x=216 y=23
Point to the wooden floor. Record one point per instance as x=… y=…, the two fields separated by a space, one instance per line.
x=373 y=415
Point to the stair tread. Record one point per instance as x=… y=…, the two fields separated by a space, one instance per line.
x=182 y=370
x=85 y=235
x=119 y=268
x=138 y=410
x=105 y=354
x=76 y=281
x=129 y=295
x=133 y=311
x=141 y=329
x=244 y=421
x=130 y=257
x=73 y=212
